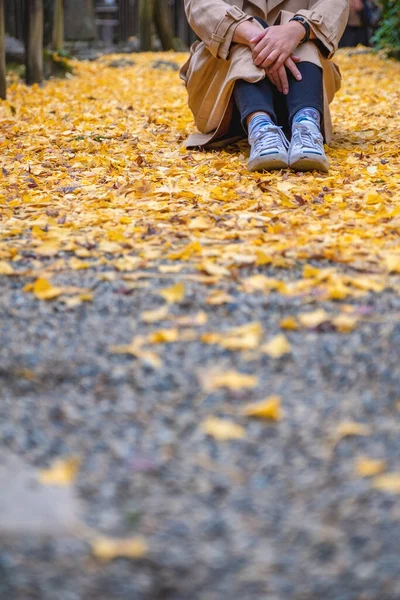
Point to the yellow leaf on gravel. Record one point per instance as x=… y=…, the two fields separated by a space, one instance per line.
x=175 y=293
x=6 y=268
x=345 y=323
x=196 y=320
x=314 y=319
x=107 y=549
x=48 y=249
x=261 y=283
x=44 y=290
x=153 y=316
x=350 y=428
x=367 y=284
x=135 y=348
x=368 y=467
x=289 y=323
x=128 y=263
x=164 y=336
x=245 y=337
x=270 y=409
x=219 y=297
x=232 y=380
x=62 y=472
x=77 y=265
x=222 y=429
x=393 y=263
x=77 y=300
x=387 y=483
x=170 y=268
x=278 y=346
x=211 y=268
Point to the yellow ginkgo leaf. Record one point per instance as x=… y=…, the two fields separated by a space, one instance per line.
x=245 y=337
x=269 y=409
x=345 y=323
x=314 y=319
x=351 y=428
x=368 y=467
x=196 y=320
x=107 y=549
x=44 y=290
x=200 y=223
x=222 y=429
x=219 y=297
x=61 y=472
x=289 y=323
x=153 y=316
x=6 y=268
x=232 y=380
x=387 y=483
x=212 y=268
x=48 y=249
x=175 y=293
x=164 y=336
x=278 y=346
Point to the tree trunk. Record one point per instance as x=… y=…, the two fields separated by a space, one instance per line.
x=146 y=12
x=34 y=41
x=162 y=19
x=58 y=26
x=2 y=54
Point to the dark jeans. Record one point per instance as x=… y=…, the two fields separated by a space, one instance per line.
x=264 y=96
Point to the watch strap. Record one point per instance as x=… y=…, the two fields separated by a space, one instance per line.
x=306 y=26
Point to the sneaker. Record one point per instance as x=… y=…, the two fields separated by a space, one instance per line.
x=306 y=151
x=269 y=148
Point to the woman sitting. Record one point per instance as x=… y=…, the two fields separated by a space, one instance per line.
x=263 y=68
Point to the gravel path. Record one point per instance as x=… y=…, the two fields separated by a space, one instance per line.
x=280 y=514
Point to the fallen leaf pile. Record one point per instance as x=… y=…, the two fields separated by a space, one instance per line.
x=94 y=173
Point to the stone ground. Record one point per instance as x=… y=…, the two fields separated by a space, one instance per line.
x=278 y=515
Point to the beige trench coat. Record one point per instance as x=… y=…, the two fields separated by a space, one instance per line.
x=215 y=63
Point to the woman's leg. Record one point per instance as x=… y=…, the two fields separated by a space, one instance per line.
x=253 y=98
x=305 y=105
x=269 y=146
x=307 y=93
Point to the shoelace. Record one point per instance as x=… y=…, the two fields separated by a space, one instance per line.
x=304 y=135
x=270 y=137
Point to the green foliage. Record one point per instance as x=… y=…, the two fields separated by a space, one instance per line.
x=56 y=64
x=388 y=35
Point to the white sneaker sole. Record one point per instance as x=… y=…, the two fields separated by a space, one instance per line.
x=267 y=163
x=308 y=163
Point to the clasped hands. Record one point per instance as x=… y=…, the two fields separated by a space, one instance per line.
x=273 y=49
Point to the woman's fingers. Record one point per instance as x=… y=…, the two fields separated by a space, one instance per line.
x=270 y=60
x=292 y=67
x=257 y=38
x=262 y=46
x=284 y=83
x=275 y=80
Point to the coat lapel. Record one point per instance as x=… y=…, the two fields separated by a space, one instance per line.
x=268 y=5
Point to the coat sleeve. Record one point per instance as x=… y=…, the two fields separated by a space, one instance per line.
x=215 y=23
x=328 y=19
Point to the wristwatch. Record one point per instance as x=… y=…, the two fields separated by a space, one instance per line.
x=306 y=26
